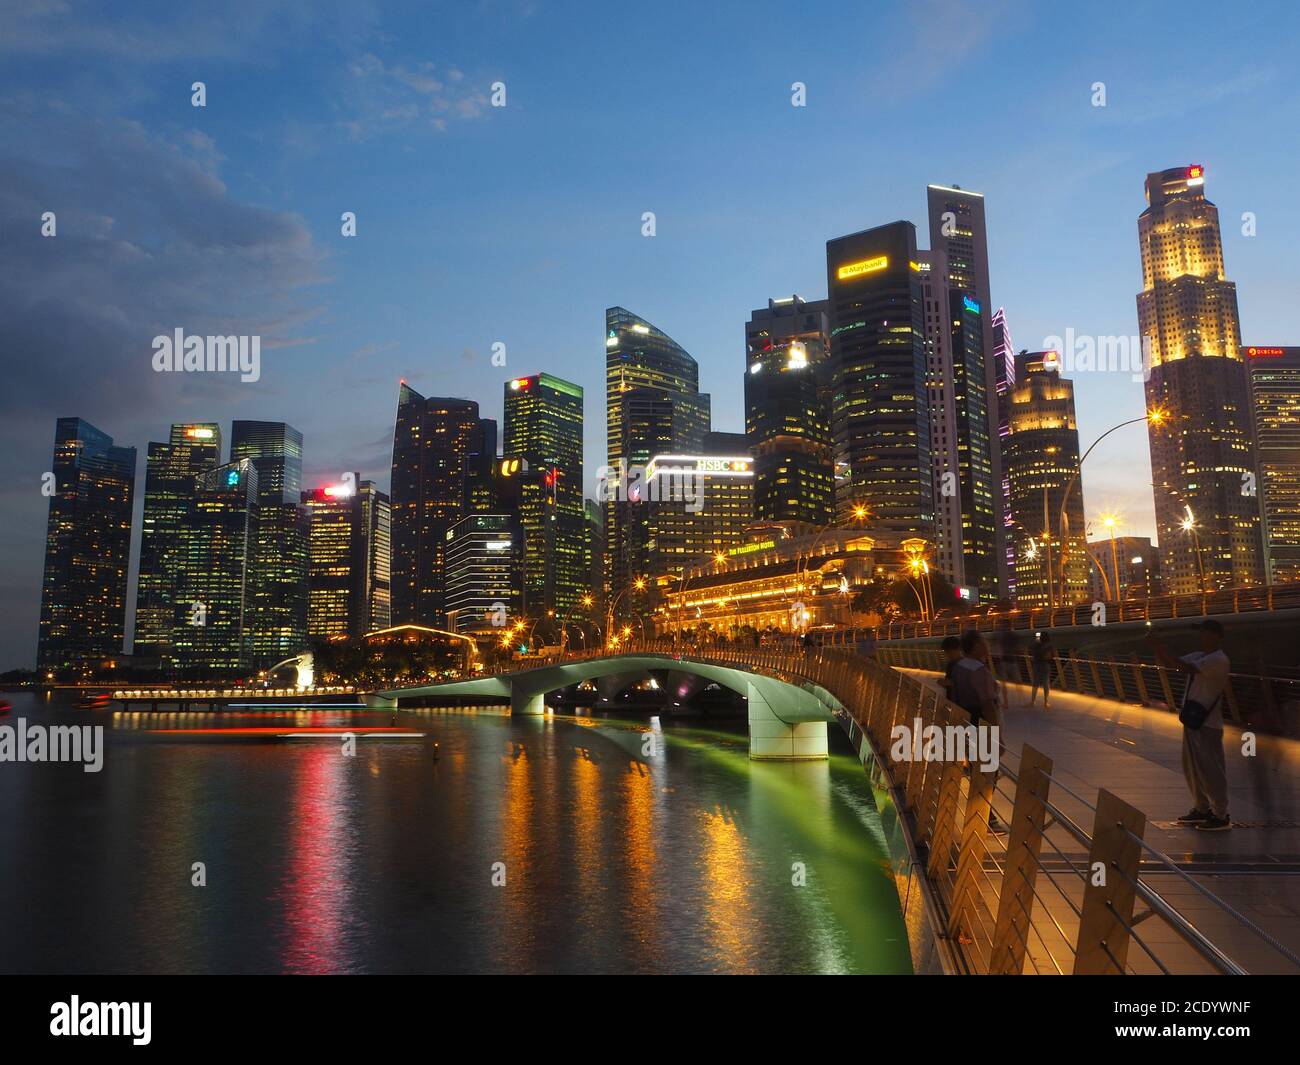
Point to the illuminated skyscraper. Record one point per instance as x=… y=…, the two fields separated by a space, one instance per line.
x=87 y=548
x=1042 y=459
x=957 y=228
x=348 y=559
x=276 y=452
x=1004 y=372
x=1203 y=462
x=880 y=411
x=787 y=412
x=211 y=624
x=169 y=485
x=1275 y=386
x=485 y=561
x=543 y=426
x=276 y=621
x=949 y=551
x=433 y=441
x=653 y=405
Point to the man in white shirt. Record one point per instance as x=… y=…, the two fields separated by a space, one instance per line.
x=1203 y=761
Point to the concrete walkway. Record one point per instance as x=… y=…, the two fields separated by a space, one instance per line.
x=1135 y=752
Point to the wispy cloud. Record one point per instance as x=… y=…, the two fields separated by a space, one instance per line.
x=381 y=97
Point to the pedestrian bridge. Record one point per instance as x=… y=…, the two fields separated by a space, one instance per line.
x=787 y=716
x=1029 y=900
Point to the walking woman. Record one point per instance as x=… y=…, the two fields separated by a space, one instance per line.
x=1042 y=656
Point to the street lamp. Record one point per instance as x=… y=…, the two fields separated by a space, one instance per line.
x=1110 y=521
x=1155 y=416
x=1189 y=525
x=638 y=584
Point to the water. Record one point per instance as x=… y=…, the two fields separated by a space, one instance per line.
x=384 y=862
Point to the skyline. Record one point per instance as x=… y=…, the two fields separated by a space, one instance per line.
x=223 y=245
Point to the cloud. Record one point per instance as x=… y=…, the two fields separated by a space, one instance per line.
x=149 y=239
x=382 y=97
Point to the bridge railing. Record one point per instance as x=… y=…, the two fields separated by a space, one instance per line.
x=1067 y=888
x=1268 y=704
x=1157 y=608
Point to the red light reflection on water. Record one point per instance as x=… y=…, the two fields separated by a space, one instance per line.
x=316 y=894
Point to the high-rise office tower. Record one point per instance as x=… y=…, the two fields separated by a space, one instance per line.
x=1203 y=461
x=1275 y=387
x=169 y=484
x=376 y=608
x=787 y=412
x=211 y=627
x=957 y=229
x=880 y=414
x=543 y=426
x=594 y=516
x=481 y=489
x=348 y=559
x=949 y=548
x=653 y=405
x=1042 y=461
x=276 y=452
x=485 y=573
x=276 y=622
x=433 y=440
x=87 y=548
x=1004 y=372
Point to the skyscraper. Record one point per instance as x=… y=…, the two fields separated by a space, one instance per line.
x=950 y=551
x=87 y=548
x=1042 y=460
x=433 y=440
x=485 y=563
x=653 y=404
x=276 y=622
x=1275 y=387
x=276 y=452
x=170 y=480
x=880 y=414
x=957 y=229
x=1203 y=462
x=787 y=412
x=1004 y=371
x=543 y=426
x=211 y=624
x=348 y=559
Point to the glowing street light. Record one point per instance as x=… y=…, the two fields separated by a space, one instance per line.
x=1188 y=525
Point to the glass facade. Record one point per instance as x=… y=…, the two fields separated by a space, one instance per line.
x=1275 y=386
x=87 y=548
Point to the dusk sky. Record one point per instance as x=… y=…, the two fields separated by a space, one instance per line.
x=521 y=224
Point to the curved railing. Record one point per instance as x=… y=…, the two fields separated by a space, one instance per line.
x=1265 y=703
x=1015 y=902
x=1158 y=608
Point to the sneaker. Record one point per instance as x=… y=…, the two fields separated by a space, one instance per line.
x=1194 y=816
x=996 y=826
x=1214 y=824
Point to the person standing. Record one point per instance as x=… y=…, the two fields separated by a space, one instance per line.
x=1204 y=766
x=976 y=691
x=951 y=656
x=1042 y=657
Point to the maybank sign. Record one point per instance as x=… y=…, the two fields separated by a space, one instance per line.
x=862 y=266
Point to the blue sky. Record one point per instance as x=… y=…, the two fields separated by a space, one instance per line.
x=521 y=224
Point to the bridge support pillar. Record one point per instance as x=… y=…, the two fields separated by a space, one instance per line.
x=526 y=703
x=381 y=702
x=772 y=740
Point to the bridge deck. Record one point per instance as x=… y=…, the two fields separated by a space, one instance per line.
x=1136 y=752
